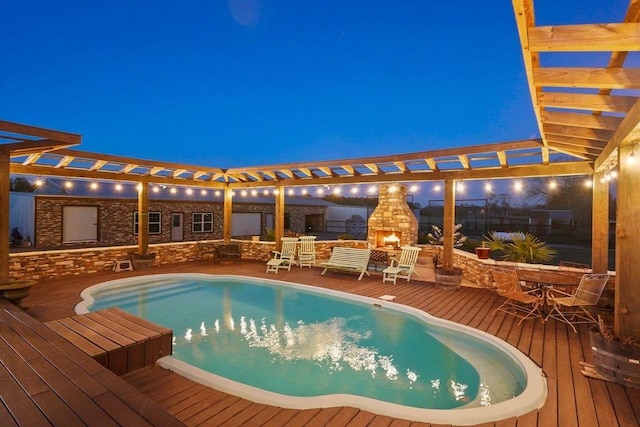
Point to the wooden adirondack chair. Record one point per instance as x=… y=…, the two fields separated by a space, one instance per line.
x=403 y=267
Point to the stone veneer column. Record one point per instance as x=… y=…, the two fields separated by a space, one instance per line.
x=393 y=214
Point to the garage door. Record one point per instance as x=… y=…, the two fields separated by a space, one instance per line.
x=245 y=224
x=79 y=224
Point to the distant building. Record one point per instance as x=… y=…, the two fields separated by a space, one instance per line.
x=57 y=215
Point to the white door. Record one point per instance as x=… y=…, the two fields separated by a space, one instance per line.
x=79 y=224
x=177 y=230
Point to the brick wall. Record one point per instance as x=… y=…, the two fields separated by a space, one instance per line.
x=115 y=219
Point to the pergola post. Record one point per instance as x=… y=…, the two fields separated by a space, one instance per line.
x=600 y=225
x=279 y=215
x=5 y=179
x=227 y=214
x=143 y=217
x=449 y=223
x=627 y=300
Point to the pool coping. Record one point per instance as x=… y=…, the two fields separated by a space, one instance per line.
x=532 y=398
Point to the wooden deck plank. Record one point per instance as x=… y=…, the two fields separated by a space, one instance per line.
x=97 y=353
x=18 y=404
x=567 y=415
x=539 y=341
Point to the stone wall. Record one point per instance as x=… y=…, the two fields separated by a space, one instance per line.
x=41 y=265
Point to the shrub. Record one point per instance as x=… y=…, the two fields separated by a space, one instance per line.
x=521 y=247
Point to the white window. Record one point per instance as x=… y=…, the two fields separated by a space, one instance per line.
x=155 y=223
x=202 y=222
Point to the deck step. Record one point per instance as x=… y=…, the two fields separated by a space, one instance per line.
x=116 y=339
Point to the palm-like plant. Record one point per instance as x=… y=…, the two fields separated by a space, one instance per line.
x=521 y=247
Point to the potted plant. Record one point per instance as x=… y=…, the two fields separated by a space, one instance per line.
x=16 y=290
x=483 y=251
x=521 y=247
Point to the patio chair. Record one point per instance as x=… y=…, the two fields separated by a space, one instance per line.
x=573 y=266
x=521 y=304
x=285 y=257
x=573 y=308
x=307 y=252
x=403 y=267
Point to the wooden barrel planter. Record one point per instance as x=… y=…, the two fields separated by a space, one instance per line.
x=616 y=361
x=448 y=279
x=141 y=262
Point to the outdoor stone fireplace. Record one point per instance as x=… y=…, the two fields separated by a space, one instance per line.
x=392 y=224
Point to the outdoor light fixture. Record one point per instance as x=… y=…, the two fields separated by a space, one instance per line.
x=632 y=157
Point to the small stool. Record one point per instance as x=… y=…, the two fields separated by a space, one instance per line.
x=122 y=265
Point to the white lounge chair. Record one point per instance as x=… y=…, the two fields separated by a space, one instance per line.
x=403 y=267
x=285 y=257
x=307 y=252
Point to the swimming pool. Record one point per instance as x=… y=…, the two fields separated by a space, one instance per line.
x=302 y=347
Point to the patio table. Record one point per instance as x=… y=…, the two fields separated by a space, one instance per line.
x=550 y=278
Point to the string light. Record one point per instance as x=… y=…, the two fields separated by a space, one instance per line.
x=553 y=184
x=189 y=191
x=437 y=188
x=93 y=186
x=518 y=186
x=173 y=190
x=118 y=187
x=203 y=192
x=488 y=187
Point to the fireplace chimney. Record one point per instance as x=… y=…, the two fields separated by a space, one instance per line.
x=392 y=223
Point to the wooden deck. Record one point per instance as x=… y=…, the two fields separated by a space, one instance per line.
x=573 y=399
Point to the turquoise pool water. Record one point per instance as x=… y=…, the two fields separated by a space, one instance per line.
x=298 y=342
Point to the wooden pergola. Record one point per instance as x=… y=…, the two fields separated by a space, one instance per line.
x=588 y=118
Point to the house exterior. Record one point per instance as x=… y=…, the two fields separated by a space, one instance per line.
x=81 y=216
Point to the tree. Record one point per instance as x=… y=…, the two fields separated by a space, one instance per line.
x=570 y=193
x=21 y=185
